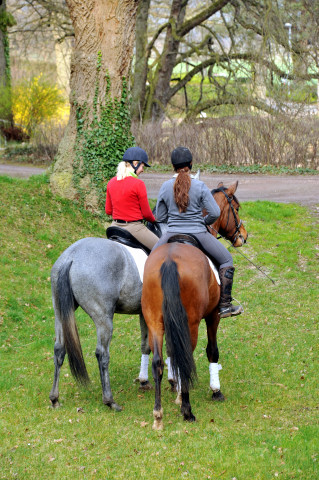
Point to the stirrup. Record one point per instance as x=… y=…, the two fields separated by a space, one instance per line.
x=230 y=311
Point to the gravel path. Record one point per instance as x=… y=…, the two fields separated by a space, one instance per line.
x=302 y=189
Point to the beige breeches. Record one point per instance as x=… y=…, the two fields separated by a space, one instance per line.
x=139 y=231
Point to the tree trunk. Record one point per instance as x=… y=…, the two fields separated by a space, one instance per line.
x=6 y=20
x=99 y=26
x=140 y=68
x=158 y=101
x=3 y=33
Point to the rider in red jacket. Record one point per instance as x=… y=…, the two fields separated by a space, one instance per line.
x=126 y=197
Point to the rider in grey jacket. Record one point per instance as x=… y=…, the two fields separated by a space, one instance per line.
x=185 y=216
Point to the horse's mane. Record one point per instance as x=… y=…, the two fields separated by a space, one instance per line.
x=223 y=189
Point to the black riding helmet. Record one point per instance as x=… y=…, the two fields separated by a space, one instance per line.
x=181 y=157
x=136 y=154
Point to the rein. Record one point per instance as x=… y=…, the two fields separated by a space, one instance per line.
x=234 y=237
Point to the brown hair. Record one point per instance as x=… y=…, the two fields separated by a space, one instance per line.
x=181 y=188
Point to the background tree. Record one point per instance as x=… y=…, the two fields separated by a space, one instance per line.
x=6 y=20
x=233 y=46
x=42 y=39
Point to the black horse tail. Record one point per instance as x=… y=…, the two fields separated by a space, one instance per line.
x=66 y=308
x=176 y=327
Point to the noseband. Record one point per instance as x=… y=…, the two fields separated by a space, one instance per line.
x=236 y=234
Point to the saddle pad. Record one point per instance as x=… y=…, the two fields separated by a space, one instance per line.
x=140 y=259
x=214 y=268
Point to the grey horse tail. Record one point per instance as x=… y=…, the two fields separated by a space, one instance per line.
x=176 y=326
x=66 y=307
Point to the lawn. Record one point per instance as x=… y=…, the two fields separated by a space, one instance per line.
x=266 y=429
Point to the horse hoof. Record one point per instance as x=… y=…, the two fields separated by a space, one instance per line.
x=157 y=425
x=178 y=400
x=115 y=407
x=144 y=386
x=218 y=396
x=190 y=418
x=173 y=385
x=55 y=403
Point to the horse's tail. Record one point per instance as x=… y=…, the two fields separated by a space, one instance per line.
x=176 y=326
x=66 y=308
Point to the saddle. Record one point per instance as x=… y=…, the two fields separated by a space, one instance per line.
x=120 y=235
x=190 y=240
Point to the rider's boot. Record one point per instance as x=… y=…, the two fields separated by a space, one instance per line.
x=226 y=309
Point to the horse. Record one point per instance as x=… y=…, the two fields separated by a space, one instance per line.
x=179 y=290
x=101 y=277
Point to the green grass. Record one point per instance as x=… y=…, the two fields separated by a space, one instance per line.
x=266 y=429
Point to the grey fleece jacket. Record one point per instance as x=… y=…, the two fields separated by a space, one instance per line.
x=191 y=221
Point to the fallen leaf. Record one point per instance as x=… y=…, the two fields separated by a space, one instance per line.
x=143 y=424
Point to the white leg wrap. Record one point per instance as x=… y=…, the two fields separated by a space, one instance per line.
x=179 y=385
x=170 y=375
x=214 y=376
x=143 y=376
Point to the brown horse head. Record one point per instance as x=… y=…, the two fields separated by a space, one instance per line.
x=229 y=224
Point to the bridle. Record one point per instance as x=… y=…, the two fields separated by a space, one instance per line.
x=237 y=233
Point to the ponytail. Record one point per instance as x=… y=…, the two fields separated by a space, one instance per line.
x=181 y=188
x=124 y=169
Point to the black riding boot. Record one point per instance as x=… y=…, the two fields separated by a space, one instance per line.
x=226 y=309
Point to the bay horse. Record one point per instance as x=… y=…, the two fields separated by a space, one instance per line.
x=101 y=277
x=179 y=290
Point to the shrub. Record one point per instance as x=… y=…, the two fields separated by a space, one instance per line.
x=244 y=140
x=35 y=101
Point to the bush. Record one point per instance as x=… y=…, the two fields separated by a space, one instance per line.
x=41 y=150
x=34 y=102
x=242 y=140
x=13 y=133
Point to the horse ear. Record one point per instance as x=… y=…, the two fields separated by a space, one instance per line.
x=221 y=184
x=232 y=188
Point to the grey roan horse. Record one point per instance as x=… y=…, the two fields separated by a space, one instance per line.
x=101 y=277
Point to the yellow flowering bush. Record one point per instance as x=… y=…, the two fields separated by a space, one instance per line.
x=36 y=101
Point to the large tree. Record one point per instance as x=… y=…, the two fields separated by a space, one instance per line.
x=104 y=38
x=222 y=41
x=6 y=20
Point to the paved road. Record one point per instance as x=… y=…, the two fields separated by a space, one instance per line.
x=302 y=189
x=21 y=171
